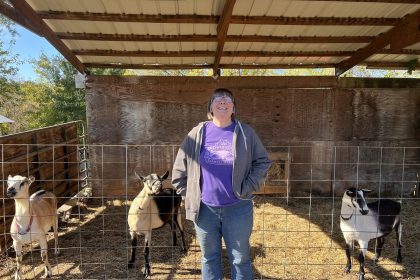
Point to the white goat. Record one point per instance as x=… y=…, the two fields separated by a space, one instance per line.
x=153 y=208
x=383 y=218
x=34 y=217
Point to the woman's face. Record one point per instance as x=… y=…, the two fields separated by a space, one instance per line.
x=222 y=107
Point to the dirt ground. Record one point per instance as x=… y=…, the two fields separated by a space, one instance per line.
x=295 y=239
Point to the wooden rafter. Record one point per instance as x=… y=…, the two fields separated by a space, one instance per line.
x=299 y=39
x=269 y=20
x=387 y=64
x=205 y=66
x=63 y=15
x=14 y=15
x=222 y=29
x=136 y=38
x=210 y=53
x=381 y=41
x=195 y=19
x=43 y=28
x=148 y=66
x=213 y=38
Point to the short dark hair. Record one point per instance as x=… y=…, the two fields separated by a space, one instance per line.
x=220 y=92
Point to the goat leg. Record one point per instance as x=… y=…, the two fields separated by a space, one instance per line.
x=173 y=230
x=44 y=257
x=18 y=250
x=348 y=265
x=55 y=228
x=146 y=269
x=133 y=250
x=379 y=243
x=398 y=231
x=363 y=249
x=181 y=232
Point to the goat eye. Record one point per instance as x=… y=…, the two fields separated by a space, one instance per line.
x=22 y=184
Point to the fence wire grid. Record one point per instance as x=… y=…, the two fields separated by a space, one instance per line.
x=296 y=233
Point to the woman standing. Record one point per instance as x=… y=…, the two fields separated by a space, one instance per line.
x=219 y=165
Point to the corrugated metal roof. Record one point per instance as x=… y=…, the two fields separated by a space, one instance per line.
x=226 y=34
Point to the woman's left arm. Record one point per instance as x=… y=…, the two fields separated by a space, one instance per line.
x=259 y=165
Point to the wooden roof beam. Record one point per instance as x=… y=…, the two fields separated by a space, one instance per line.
x=205 y=66
x=389 y=65
x=139 y=53
x=213 y=38
x=222 y=30
x=405 y=33
x=149 y=66
x=14 y=15
x=270 y=20
x=26 y=11
x=86 y=16
x=194 y=19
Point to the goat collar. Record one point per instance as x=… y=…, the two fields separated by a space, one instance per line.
x=346 y=219
x=351 y=215
x=19 y=228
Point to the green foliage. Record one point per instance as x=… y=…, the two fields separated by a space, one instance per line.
x=110 y=71
x=58 y=99
x=412 y=65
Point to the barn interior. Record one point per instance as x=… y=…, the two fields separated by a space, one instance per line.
x=324 y=133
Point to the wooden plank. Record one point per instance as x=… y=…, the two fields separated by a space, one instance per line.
x=381 y=41
x=280 y=189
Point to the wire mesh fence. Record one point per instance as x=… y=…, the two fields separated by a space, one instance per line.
x=296 y=233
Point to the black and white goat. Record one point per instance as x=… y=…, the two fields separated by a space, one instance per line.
x=361 y=222
x=153 y=208
x=34 y=217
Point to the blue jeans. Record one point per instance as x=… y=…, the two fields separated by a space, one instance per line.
x=233 y=223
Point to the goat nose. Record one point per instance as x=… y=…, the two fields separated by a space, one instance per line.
x=364 y=212
x=11 y=192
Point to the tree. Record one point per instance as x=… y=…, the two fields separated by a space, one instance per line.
x=8 y=69
x=59 y=100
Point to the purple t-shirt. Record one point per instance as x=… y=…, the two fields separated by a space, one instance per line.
x=216 y=160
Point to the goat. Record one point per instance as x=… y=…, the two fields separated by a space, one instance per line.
x=34 y=217
x=384 y=217
x=153 y=208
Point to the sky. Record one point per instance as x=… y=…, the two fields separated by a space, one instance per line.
x=29 y=46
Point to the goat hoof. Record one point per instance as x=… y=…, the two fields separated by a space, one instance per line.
x=360 y=276
x=347 y=269
x=146 y=273
x=399 y=259
x=376 y=260
x=130 y=265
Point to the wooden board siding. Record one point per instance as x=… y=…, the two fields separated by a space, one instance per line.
x=318 y=112
x=50 y=155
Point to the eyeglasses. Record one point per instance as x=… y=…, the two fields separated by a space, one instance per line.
x=226 y=99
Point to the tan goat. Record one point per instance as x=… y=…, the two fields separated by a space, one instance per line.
x=153 y=208
x=34 y=217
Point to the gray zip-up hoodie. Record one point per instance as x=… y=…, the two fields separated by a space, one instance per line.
x=250 y=166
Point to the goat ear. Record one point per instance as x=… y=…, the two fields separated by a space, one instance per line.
x=141 y=178
x=31 y=179
x=164 y=176
x=8 y=180
x=350 y=192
